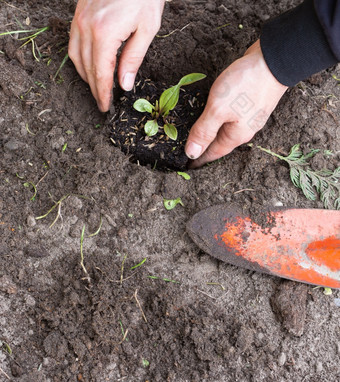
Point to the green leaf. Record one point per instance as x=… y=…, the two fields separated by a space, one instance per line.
x=327 y=291
x=143 y=105
x=306 y=185
x=169 y=99
x=311 y=154
x=295 y=176
x=337 y=204
x=170 y=204
x=171 y=131
x=191 y=78
x=184 y=175
x=295 y=153
x=138 y=265
x=151 y=128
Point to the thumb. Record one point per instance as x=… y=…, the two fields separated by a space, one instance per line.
x=131 y=59
x=203 y=132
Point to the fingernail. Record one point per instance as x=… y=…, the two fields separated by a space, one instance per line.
x=193 y=150
x=128 y=81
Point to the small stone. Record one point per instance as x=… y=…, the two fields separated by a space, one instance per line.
x=12 y=145
x=46 y=361
x=222 y=9
x=319 y=367
x=211 y=7
x=31 y=222
x=282 y=359
x=7 y=285
x=30 y=332
x=30 y=301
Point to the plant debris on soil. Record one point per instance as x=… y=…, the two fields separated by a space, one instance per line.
x=180 y=315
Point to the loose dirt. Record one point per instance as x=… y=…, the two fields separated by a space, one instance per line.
x=181 y=315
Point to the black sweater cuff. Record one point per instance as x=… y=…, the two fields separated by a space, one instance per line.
x=295 y=46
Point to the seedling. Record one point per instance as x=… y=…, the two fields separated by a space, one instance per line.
x=145 y=362
x=184 y=175
x=170 y=204
x=162 y=108
x=29 y=184
x=138 y=265
x=325 y=183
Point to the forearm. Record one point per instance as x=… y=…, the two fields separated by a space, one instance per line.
x=303 y=41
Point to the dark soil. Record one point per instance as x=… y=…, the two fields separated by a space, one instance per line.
x=128 y=126
x=196 y=319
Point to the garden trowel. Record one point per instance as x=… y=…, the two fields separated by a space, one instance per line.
x=296 y=244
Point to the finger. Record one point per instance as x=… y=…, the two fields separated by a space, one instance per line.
x=228 y=138
x=132 y=57
x=203 y=132
x=74 y=52
x=86 y=48
x=104 y=62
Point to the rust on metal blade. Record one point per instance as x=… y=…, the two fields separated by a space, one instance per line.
x=301 y=244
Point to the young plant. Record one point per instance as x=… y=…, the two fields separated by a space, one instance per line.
x=325 y=183
x=166 y=103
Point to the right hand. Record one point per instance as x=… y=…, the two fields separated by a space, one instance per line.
x=99 y=28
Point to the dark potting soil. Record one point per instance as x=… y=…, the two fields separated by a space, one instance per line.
x=180 y=315
x=159 y=151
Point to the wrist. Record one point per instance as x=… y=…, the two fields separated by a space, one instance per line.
x=256 y=51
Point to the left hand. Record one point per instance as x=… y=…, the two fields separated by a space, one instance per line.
x=239 y=104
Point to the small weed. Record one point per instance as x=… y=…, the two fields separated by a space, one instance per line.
x=63 y=62
x=162 y=108
x=138 y=265
x=166 y=280
x=5 y=346
x=184 y=175
x=28 y=130
x=82 y=253
x=98 y=229
x=40 y=84
x=327 y=291
x=218 y=284
x=57 y=204
x=170 y=204
x=223 y=26
x=145 y=362
x=124 y=332
x=325 y=183
x=28 y=184
x=64 y=147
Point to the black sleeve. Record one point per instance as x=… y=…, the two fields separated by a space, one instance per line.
x=302 y=41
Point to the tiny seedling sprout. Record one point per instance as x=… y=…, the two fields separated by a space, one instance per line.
x=170 y=204
x=167 y=102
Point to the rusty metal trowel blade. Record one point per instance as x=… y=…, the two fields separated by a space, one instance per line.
x=296 y=244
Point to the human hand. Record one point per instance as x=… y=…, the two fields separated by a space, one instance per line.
x=239 y=104
x=99 y=28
